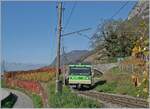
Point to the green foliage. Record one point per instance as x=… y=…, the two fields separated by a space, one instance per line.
x=37 y=101
x=3 y=84
x=67 y=99
x=112 y=59
x=107 y=87
x=118 y=37
x=120 y=83
x=141 y=93
x=126 y=89
x=115 y=70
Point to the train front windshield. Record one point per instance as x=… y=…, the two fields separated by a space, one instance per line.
x=80 y=71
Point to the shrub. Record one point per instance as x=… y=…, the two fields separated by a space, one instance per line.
x=37 y=101
x=107 y=87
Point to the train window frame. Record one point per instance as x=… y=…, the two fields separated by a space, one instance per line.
x=80 y=73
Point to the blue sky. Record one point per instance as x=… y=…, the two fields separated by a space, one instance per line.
x=28 y=28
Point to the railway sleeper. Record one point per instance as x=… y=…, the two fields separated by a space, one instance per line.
x=117 y=100
x=122 y=102
x=132 y=104
x=131 y=100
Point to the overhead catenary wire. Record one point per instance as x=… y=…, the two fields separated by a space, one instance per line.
x=70 y=15
x=118 y=11
x=66 y=34
x=72 y=10
x=84 y=35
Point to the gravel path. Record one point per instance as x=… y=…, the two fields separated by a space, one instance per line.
x=105 y=67
x=23 y=100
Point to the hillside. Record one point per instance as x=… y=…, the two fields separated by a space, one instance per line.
x=96 y=57
x=72 y=57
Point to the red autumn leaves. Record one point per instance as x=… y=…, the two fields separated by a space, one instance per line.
x=30 y=80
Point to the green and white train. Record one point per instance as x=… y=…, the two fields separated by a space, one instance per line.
x=80 y=75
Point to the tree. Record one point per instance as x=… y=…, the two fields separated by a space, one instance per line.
x=141 y=51
x=112 y=36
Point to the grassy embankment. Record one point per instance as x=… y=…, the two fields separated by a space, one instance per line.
x=37 y=100
x=119 y=82
x=68 y=99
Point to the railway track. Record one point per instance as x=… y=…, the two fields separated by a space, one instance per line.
x=120 y=100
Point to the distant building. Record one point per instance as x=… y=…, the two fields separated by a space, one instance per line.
x=141 y=9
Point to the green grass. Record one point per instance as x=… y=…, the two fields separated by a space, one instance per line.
x=108 y=87
x=119 y=82
x=112 y=59
x=67 y=99
x=37 y=101
x=3 y=84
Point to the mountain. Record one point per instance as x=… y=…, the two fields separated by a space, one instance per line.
x=71 y=57
x=97 y=57
x=21 y=66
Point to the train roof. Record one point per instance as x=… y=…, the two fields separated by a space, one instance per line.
x=79 y=65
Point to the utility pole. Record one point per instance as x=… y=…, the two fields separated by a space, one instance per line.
x=58 y=46
x=64 y=65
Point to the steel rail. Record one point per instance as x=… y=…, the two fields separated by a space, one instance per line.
x=120 y=100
